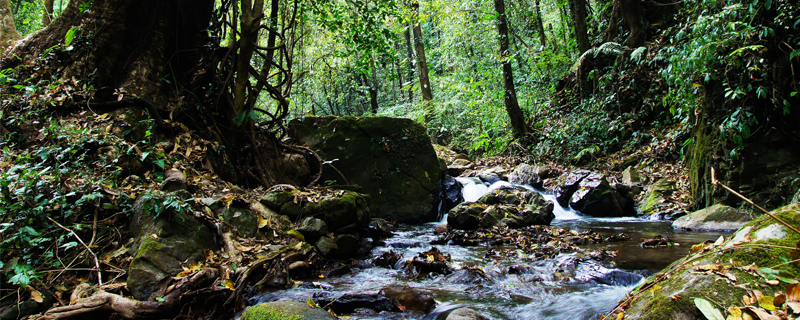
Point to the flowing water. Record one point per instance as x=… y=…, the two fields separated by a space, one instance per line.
x=565 y=287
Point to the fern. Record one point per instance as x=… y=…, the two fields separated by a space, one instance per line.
x=639 y=54
x=608 y=48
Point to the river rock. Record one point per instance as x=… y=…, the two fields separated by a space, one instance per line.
x=410 y=299
x=379 y=229
x=312 y=229
x=656 y=195
x=349 y=302
x=465 y=314
x=174 y=180
x=242 y=219
x=567 y=184
x=459 y=166
x=718 y=217
x=450 y=192
x=164 y=241
x=526 y=174
x=687 y=279
x=285 y=310
x=493 y=175
x=595 y=197
x=504 y=208
x=632 y=177
x=391 y=159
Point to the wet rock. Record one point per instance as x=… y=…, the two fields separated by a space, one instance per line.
x=349 y=302
x=518 y=269
x=174 y=180
x=299 y=269
x=387 y=260
x=285 y=310
x=409 y=299
x=345 y=209
x=469 y=276
x=347 y=244
x=567 y=184
x=326 y=246
x=450 y=193
x=718 y=217
x=595 y=197
x=163 y=243
x=335 y=271
x=656 y=242
x=617 y=278
x=526 y=174
x=392 y=159
x=655 y=198
x=465 y=314
x=312 y=229
x=432 y=261
x=379 y=229
x=465 y=216
x=493 y=175
x=442 y=228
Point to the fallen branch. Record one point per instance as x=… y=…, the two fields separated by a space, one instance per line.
x=129 y=308
x=716 y=182
x=96 y=262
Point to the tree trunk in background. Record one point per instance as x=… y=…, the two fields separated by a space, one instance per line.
x=47 y=17
x=422 y=66
x=540 y=25
x=373 y=90
x=8 y=31
x=510 y=95
x=633 y=13
x=410 y=52
x=578 y=8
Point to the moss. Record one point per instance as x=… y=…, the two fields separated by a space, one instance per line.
x=267 y=312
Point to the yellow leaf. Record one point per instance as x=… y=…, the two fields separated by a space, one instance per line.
x=734 y=313
x=322 y=276
x=228 y=285
x=262 y=222
x=767 y=302
x=311 y=303
x=296 y=234
x=36 y=296
x=621 y=315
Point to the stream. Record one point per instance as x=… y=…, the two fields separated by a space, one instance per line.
x=563 y=287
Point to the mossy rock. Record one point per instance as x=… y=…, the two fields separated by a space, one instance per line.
x=718 y=217
x=679 y=285
x=245 y=222
x=657 y=191
x=285 y=310
x=392 y=159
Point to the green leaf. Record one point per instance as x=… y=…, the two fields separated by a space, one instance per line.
x=69 y=36
x=296 y=234
x=159 y=299
x=708 y=309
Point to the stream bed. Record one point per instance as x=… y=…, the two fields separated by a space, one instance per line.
x=566 y=286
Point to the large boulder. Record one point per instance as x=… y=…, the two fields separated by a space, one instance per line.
x=165 y=239
x=526 y=174
x=504 y=208
x=734 y=273
x=392 y=159
x=656 y=197
x=718 y=217
x=567 y=184
x=595 y=197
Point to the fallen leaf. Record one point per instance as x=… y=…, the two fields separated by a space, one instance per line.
x=311 y=303
x=228 y=285
x=296 y=234
x=779 y=300
x=621 y=315
x=767 y=302
x=761 y=313
x=734 y=313
x=708 y=309
x=793 y=293
x=36 y=296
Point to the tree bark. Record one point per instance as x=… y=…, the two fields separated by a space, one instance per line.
x=373 y=90
x=578 y=8
x=540 y=25
x=633 y=14
x=8 y=31
x=422 y=66
x=410 y=52
x=510 y=95
x=47 y=16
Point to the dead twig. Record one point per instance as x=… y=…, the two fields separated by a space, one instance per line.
x=96 y=262
x=716 y=182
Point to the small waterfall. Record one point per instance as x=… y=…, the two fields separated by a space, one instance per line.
x=472 y=190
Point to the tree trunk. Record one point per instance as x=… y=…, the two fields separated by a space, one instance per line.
x=578 y=8
x=510 y=95
x=633 y=14
x=410 y=52
x=540 y=25
x=47 y=16
x=8 y=31
x=373 y=90
x=422 y=66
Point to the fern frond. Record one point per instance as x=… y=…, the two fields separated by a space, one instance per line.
x=638 y=54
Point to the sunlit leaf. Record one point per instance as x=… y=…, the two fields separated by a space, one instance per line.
x=708 y=309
